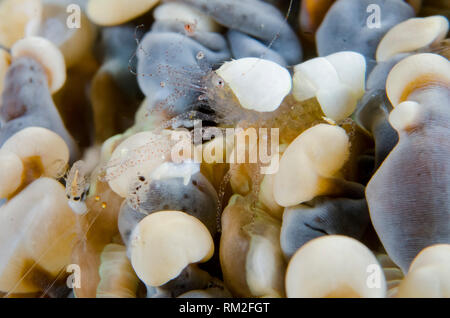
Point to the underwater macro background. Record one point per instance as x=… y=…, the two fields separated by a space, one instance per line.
x=128 y=128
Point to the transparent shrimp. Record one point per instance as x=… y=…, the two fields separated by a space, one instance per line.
x=157 y=148
x=77 y=186
x=214 y=101
x=211 y=96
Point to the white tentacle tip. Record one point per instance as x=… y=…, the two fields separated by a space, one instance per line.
x=406 y=115
x=259 y=85
x=411 y=35
x=153 y=256
x=47 y=54
x=415 y=72
x=337 y=81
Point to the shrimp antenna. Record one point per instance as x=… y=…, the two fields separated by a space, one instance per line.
x=277 y=35
x=139 y=46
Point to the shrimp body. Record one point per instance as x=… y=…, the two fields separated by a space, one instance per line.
x=77 y=186
x=224 y=103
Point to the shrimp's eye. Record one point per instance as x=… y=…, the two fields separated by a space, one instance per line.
x=76 y=199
